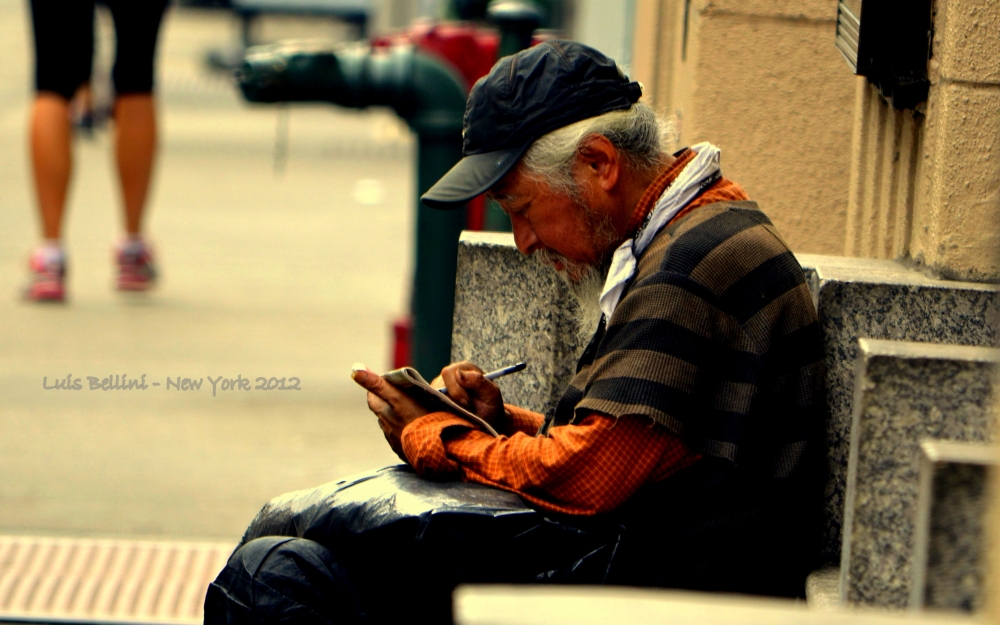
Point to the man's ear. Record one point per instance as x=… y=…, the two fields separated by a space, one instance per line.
x=600 y=161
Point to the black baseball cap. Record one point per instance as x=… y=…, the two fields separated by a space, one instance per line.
x=525 y=96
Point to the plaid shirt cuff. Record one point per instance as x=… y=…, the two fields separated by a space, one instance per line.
x=521 y=420
x=423 y=445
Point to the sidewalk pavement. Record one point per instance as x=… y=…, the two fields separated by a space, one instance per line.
x=293 y=273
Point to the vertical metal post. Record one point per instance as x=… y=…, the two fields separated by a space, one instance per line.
x=517 y=21
x=433 y=304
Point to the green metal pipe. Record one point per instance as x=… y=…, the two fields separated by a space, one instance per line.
x=430 y=97
x=438 y=232
x=517 y=21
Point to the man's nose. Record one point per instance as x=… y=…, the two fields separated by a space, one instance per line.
x=524 y=237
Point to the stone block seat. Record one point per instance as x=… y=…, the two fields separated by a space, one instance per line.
x=509 y=308
x=949 y=559
x=906 y=393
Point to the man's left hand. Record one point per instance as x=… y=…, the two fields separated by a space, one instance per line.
x=394 y=408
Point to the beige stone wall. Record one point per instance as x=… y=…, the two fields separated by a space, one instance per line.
x=957 y=208
x=925 y=185
x=885 y=157
x=763 y=80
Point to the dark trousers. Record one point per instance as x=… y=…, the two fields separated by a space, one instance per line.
x=64 y=43
x=295 y=580
x=700 y=530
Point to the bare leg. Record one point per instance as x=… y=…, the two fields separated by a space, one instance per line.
x=51 y=158
x=135 y=148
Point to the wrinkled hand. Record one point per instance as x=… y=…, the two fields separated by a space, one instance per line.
x=468 y=388
x=394 y=408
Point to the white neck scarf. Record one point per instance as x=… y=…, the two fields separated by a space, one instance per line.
x=696 y=175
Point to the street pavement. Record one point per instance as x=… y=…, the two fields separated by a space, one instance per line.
x=272 y=267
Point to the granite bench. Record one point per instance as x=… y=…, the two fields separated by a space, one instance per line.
x=508 y=308
x=949 y=556
x=905 y=393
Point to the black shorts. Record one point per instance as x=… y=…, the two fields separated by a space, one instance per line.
x=64 y=43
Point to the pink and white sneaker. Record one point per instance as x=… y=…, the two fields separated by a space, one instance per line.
x=136 y=270
x=48 y=275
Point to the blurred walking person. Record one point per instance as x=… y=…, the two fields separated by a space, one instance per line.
x=64 y=47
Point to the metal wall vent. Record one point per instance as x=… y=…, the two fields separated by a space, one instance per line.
x=848 y=29
x=78 y=580
x=888 y=42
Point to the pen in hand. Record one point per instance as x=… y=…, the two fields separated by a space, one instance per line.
x=499 y=373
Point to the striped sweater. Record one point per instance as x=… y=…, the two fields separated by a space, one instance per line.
x=716 y=339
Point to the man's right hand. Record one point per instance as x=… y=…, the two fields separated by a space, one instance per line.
x=469 y=389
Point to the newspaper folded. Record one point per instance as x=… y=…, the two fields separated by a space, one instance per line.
x=410 y=381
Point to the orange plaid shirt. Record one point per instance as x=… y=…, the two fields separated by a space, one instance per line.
x=591 y=466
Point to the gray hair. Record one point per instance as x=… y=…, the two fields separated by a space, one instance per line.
x=640 y=135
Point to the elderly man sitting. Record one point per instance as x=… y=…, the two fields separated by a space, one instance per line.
x=693 y=415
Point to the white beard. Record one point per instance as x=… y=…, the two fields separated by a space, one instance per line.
x=585 y=282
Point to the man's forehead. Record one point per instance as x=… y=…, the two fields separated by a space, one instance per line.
x=506 y=189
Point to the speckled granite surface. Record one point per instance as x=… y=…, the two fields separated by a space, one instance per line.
x=507 y=309
x=881 y=299
x=949 y=549
x=905 y=392
x=823 y=588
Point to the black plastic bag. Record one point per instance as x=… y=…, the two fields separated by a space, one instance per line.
x=455 y=532
x=389 y=547
x=399 y=544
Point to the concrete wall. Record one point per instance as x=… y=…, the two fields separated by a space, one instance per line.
x=838 y=169
x=763 y=80
x=957 y=212
x=885 y=154
x=925 y=185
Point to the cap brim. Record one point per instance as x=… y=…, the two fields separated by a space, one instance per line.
x=471 y=176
